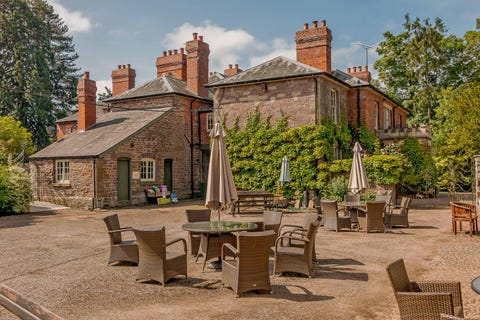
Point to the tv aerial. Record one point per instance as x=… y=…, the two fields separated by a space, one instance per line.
x=366 y=46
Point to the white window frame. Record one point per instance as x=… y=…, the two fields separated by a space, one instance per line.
x=62 y=171
x=147 y=169
x=376 y=113
x=388 y=117
x=334 y=105
x=210 y=121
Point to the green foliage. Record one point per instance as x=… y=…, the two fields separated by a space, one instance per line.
x=15 y=190
x=337 y=188
x=37 y=66
x=13 y=139
x=456 y=138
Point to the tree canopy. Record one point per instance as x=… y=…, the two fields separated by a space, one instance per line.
x=37 y=66
x=14 y=139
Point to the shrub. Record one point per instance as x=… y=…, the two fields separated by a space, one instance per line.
x=15 y=190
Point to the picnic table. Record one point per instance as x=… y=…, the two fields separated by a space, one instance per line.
x=252 y=201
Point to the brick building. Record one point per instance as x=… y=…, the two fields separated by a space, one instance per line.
x=153 y=134
x=307 y=90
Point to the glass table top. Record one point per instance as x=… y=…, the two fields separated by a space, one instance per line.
x=219 y=226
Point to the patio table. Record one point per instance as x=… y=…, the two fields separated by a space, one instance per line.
x=214 y=234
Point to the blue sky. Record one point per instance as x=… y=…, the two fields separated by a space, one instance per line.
x=108 y=33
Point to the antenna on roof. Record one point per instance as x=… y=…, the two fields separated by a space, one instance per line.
x=366 y=46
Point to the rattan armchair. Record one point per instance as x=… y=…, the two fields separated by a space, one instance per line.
x=331 y=217
x=156 y=263
x=372 y=218
x=120 y=249
x=293 y=231
x=271 y=221
x=398 y=215
x=249 y=268
x=296 y=258
x=423 y=300
x=196 y=215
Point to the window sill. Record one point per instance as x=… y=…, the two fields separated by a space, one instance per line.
x=62 y=184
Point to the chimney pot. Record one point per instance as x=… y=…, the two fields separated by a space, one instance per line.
x=305 y=26
x=128 y=66
x=359 y=68
x=164 y=53
x=123 y=66
x=315 y=23
x=182 y=50
x=236 y=65
x=229 y=66
x=324 y=23
x=169 y=52
x=175 y=51
x=200 y=38
x=195 y=34
x=349 y=70
x=354 y=69
x=119 y=67
x=86 y=75
x=366 y=68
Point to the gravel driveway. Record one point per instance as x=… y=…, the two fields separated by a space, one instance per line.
x=59 y=259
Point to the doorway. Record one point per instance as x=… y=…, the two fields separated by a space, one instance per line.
x=123 y=174
x=168 y=174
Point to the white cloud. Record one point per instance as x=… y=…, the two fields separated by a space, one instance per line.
x=226 y=46
x=75 y=20
x=279 y=47
x=101 y=84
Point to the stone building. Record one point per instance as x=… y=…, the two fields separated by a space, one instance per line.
x=153 y=134
x=306 y=90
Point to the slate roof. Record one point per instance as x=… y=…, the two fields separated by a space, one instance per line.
x=74 y=115
x=109 y=131
x=159 y=86
x=345 y=77
x=277 y=68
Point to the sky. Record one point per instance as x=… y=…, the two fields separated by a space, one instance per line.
x=108 y=33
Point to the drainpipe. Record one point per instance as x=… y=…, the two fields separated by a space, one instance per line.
x=94 y=200
x=316 y=103
x=358 y=108
x=191 y=147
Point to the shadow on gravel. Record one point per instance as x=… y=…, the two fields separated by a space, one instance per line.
x=339 y=269
x=21 y=220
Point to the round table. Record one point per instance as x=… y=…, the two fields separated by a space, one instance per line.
x=476 y=284
x=214 y=234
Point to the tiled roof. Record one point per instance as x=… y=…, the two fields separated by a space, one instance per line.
x=277 y=68
x=345 y=77
x=158 y=86
x=74 y=115
x=110 y=130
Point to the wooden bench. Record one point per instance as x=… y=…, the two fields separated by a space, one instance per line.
x=252 y=202
x=22 y=307
x=464 y=212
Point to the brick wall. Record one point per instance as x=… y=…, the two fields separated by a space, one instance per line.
x=65 y=128
x=174 y=64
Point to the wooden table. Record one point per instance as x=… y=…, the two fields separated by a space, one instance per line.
x=252 y=201
x=214 y=234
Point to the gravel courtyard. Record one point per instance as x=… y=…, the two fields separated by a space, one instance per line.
x=59 y=259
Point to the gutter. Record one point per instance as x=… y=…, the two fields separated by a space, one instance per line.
x=358 y=108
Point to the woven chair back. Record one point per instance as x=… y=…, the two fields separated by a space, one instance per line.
x=272 y=219
x=308 y=219
x=113 y=223
x=311 y=234
x=197 y=215
x=151 y=242
x=254 y=249
x=398 y=276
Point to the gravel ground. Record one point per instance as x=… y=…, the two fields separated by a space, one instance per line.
x=58 y=259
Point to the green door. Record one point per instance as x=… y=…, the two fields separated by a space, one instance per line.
x=123 y=175
x=168 y=174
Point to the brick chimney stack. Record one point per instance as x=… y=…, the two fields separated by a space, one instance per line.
x=232 y=70
x=123 y=79
x=197 y=64
x=314 y=46
x=173 y=65
x=360 y=73
x=87 y=97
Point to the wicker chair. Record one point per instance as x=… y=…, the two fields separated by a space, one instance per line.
x=120 y=250
x=398 y=216
x=156 y=263
x=372 y=218
x=196 y=215
x=293 y=231
x=294 y=258
x=423 y=300
x=271 y=221
x=249 y=268
x=464 y=212
x=388 y=202
x=444 y=316
x=331 y=218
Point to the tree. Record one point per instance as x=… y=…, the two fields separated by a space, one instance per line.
x=105 y=95
x=14 y=139
x=456 y=136
x=412 y=66
x=37 y=66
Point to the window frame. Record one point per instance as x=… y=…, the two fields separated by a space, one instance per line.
x=334 y=105
x=376 y=112
x=210 y=122
x=147 y=169
x=62 y=171
x=387 y=117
